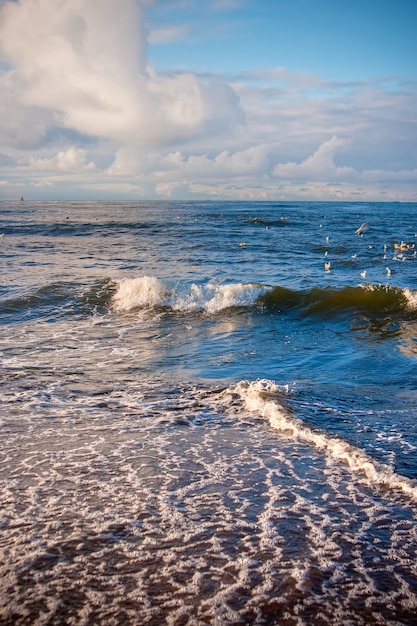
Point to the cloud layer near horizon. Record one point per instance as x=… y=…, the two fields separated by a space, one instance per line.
x=80 y=105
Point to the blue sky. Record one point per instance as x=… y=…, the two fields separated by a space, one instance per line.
x=183 y=99
x=342 y=40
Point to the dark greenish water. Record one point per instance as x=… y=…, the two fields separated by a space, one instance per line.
x=208 y=413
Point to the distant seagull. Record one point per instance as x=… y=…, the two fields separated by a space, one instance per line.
x=363 y=274
x=388 y=271
x=403 y=247
x=361 y=229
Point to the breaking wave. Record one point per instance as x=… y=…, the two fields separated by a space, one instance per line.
x=150 y=292
x=212 y=297
x=267 y=399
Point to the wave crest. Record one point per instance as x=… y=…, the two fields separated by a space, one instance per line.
x=150 y=292
x=212 y=297
x=267 y=399
x=369 y=299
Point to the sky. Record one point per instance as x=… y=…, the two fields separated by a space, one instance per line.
x=208 y=99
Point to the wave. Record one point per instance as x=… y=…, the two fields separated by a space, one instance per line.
x=213 y=297
x=268 y=222
x=74 y=228
x=150 y=292
x=47 y=297
x=367 y=298
x=264 y=397
x=57 y=299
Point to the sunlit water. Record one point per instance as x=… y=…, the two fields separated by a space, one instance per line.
x=208 y=413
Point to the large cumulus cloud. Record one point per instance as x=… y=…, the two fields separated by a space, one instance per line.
x=82 y=64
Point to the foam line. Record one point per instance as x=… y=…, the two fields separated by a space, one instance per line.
x=265 y=397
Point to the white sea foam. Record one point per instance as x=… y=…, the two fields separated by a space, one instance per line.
x=138 y=292
x=411 y=296
x=265 y=397
x=149 y=292
x=154 y=496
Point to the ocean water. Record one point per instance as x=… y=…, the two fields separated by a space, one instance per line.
x=208 y=413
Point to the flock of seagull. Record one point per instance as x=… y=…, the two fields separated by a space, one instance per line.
x=400 y=249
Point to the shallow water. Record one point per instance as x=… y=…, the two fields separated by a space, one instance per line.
x=200 y=422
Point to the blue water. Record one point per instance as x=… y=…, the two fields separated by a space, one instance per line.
x=208 y=413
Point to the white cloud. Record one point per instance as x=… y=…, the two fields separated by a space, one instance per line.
x=73 y=159
x=85 y=61
x=402 y=176
x=42 y=183
x=318 y=166
x=251 y=161
x=80 y=103
x=259 y=173
x=21 y=126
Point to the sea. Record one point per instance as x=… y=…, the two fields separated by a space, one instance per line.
x=208 y=413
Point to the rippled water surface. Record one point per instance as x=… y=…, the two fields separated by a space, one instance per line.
x=208 y=413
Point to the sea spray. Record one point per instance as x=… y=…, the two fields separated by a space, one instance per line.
x=132 y=293
x=151 y=292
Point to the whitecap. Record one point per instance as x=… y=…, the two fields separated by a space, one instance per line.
x=151 y=292
x=267 y=399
